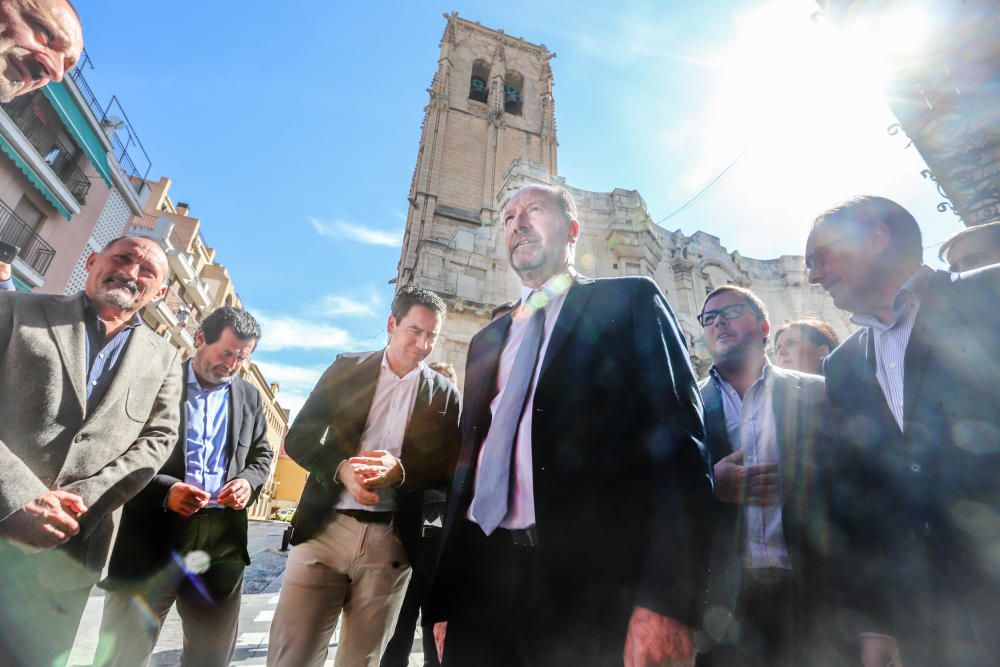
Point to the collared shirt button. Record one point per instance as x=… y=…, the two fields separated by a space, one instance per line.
x=892 y=365
x=93 y=382
x=915 y=467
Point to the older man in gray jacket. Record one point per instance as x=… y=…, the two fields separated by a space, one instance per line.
x=88 y=413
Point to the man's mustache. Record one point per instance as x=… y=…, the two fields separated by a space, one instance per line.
x=131 y=285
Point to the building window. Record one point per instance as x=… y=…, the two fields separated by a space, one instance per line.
x=477 y=85
x=632 y=269
x=513 y=87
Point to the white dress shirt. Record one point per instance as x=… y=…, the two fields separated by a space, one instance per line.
x=521 y=510
x=386 y=426
x=751 y=426
x=892 y=339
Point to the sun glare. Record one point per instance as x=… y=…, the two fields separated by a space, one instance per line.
x=803 y=98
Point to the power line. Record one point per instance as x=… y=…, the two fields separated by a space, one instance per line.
x=708 y=187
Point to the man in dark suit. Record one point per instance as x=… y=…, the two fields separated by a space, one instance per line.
x=88 y=415
x=184 y=537
x=378 y=429
x=577 y=522
x=763 y=425
x=913 y=486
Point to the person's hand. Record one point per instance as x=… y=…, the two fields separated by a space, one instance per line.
x=750 y=485
x=47 y=521
x=378 y=468
x=186 y=499
x=353 y=481
x=5 y=272
x=235 y=494
x=440 y=630
x=654 y=640
x=879 y=651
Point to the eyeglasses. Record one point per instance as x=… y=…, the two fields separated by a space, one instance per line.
x=708 y=317
x=817 y=260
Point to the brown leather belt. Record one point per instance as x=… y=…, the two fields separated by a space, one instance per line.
x=364 y=516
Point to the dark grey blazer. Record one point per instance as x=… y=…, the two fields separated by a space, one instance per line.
x=622 y=481
x=800 y=412
x=915 y=512
x=47 y=439
x=149 y=532
x=338 y=408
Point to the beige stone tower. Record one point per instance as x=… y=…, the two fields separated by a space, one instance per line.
x=489 y=129
x=490 y=104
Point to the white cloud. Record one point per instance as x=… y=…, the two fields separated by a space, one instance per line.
x=283 y=332
x=336 y=305
x=355 y=232
x=296 y=382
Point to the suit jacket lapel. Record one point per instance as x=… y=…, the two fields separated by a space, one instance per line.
x=787 y=403
x=576 y=300
x=129 y=366
x=237 y=397
x=921 y=339
x=70 y=335
x=717 y=436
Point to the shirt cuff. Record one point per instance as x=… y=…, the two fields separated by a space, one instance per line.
x=402 y=470
x=7 y=285
x=336 y=473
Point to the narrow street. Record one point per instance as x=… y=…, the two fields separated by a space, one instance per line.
x=261 y=585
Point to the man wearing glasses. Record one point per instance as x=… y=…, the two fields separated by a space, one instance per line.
x=914 y=499
x=762 y=425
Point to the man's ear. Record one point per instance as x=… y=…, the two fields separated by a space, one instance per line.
x=391 y=325
x=881 y=238
x=199 y=338
x=574 y=231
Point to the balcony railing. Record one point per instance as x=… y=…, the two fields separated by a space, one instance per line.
x=29 y=115
x=35 y=252
x=125 y=143
x=81 y=83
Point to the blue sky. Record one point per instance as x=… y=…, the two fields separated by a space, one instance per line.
x=292 y=129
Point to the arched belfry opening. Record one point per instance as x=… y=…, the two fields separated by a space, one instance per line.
x=513 y=90
x=478 y=89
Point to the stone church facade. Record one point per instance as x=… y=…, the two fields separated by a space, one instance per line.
x=489 y=128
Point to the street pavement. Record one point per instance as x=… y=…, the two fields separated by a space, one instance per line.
x=261 y=585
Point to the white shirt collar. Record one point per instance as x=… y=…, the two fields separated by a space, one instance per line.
x=554 y=287
x=421 y=369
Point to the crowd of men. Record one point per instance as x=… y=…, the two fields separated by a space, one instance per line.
x=586 y=501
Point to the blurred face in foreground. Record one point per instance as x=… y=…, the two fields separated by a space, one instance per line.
x=40 y=40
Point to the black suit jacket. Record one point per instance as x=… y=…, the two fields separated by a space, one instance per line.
x=338 y=407
x=800 y=413
x=149 y=531
x=622 y=481
x=915 y=512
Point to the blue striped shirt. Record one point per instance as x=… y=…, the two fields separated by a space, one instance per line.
x=206 y=450
x=103 y=353
x=891 y=339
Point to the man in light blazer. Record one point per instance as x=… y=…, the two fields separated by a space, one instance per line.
x=88 y=414
x=195 y=505
x=763 y=425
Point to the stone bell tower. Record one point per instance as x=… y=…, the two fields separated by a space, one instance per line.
x=490 y=104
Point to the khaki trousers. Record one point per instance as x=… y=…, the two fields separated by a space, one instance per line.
x=358 y=569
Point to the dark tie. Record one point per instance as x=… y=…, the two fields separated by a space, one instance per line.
x=490 y=504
